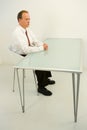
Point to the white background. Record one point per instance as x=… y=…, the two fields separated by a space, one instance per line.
x=49 y=18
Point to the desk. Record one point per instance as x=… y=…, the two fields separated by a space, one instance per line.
x=63 y=55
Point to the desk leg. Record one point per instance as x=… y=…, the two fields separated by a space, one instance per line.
x=76 y=84
x=23 y=106
x=22 y=97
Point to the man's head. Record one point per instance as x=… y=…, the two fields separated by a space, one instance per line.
x=23 y=18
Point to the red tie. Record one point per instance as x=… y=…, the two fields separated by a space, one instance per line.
x=27 y=38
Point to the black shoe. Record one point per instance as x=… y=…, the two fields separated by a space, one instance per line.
x=44 y=91
x=49 y=81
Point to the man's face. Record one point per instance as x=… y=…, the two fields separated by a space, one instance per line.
x=25 y=20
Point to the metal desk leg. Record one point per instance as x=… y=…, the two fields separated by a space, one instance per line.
x=23 y=106
x=22 y=97
x=76 y=84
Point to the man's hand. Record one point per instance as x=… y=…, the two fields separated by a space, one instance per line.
x=45 y=46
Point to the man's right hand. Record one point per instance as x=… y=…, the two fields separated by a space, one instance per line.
x=45 y=46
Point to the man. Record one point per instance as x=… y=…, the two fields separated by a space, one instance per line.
x=24 y=42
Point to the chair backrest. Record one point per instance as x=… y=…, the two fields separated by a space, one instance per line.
x=14 y=57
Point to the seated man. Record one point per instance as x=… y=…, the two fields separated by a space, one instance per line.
x=24 y=42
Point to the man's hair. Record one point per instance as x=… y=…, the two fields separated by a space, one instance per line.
x=19 y=16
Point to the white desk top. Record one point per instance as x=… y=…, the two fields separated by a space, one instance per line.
x=63 y=54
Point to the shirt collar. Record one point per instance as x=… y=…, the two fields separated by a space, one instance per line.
x=22 y=29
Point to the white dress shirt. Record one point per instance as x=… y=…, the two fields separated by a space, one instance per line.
x=20 y=45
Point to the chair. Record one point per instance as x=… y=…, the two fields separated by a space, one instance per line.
x=17 y=58
x=14 y=58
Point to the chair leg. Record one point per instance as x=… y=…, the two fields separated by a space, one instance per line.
x=14 y=79
x=35 y=79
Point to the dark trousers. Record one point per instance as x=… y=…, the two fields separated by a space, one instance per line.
x=42 y=77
